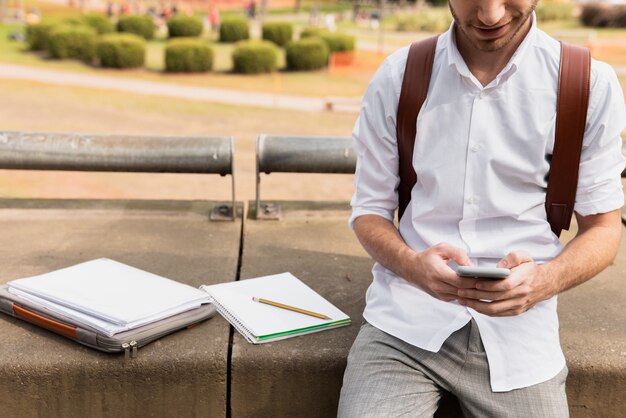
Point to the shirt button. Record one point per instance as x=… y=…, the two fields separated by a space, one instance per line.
x=475 y=147
x=470 y=200
x=482 y=95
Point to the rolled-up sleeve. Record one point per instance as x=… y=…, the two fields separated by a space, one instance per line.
x=599 y=181
x=374 y=135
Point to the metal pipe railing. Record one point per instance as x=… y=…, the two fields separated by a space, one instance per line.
x=120 y=153
x=302 y=154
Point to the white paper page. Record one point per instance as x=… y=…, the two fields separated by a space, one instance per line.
x=101 y=325
x=112 y=291
x=264 y=319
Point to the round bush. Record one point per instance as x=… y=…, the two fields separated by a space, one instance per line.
x=68 y=41
x=336 y=42
x=188 y=56
x=99 y=22
x=121 y=50
x=278 y=32
x=311 y=32
x=595 y=15
x=307 y=54
x=139 y=25
x=37 y=35
x=619 y=18
x=429 y=20
x=234 y=29
x=554 y=10
x=184 y=26
x=339 y=42
x=252 y=57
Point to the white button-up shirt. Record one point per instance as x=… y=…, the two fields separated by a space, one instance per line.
x=482 y=158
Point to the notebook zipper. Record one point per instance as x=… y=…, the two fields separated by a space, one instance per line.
x=130 y=349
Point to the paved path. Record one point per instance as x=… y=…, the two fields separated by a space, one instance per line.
x=153 y=88
x=205 y=94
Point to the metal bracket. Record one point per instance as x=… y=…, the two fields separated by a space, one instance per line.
x=269 y=211
x=222 y=213
x=310 y=154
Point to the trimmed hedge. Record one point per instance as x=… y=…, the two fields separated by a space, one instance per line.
x=188 y=55
x=68 y=41
x=591 y=14
x=554 y=10
x=429 y=20
x=603 y=16
x=121 y=50
x=184 y=26
x=278 y=32
x=307 y=54
x=37 y=35
x=138 y=25
x=253 y=57
x=234 y=29
x=311 y=32
x=619 y=18
x=339 y=42
x=336 y=41
x=99 y=22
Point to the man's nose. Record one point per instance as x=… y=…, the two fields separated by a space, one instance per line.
x=490 y=12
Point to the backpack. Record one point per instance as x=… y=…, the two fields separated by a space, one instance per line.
x=571 y=116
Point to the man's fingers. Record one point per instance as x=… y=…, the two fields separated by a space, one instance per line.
x=509 y=307
x=514 y=259
x=445 y=292
x=478 y=295
x=451 y=252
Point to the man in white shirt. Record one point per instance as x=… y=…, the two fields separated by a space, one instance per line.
x=484 y=139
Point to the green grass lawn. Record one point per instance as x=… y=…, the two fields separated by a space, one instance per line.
x=32 y=106
x=312 y=83
x=315 y=83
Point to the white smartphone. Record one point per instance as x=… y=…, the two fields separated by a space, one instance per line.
x=483 y=272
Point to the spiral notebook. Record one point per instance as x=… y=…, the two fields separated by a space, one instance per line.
x=261 y=322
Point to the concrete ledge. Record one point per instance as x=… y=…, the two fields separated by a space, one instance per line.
x=301 y=377
x=180 y=375
x=190 y=373
x=593 y=337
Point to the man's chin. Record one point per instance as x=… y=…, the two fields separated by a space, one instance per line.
x=493 y=45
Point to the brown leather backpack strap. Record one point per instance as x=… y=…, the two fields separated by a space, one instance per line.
x=571 y=117
x=419 y=66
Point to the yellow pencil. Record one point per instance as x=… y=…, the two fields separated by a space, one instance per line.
x=290 y=308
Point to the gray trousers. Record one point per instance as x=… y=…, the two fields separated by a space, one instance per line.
x=387 y=377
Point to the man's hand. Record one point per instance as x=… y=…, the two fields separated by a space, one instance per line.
x=428 y=270
x=527 y=285
x=433 y=275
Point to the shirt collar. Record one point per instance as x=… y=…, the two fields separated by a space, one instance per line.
x=456 y=61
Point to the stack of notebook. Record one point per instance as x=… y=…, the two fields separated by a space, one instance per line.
x=105 y=304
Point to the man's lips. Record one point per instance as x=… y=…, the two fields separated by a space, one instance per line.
x=491 y=33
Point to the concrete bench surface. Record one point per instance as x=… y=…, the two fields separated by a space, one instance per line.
x=183 y=374
x=301 y=377
x=593 y=337
x=190 y=373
